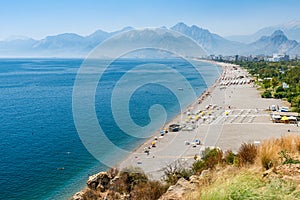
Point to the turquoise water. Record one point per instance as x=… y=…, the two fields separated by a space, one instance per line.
x=42 y=156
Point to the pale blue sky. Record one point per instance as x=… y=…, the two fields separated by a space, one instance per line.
x=39 y=18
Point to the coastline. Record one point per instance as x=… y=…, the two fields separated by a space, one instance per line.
x=202 y=96
x=138 y=151
x=240 y=116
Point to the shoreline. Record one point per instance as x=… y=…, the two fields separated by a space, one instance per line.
x=199 y=101
x=240 y=116
x=233 y=113
x=202 y=96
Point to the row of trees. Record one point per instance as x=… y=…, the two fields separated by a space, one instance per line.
x=272 y=76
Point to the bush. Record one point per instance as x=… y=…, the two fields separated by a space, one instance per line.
x=280 y=89
x=229 y=157
x=150 y=190
x=267 y=84
x=128 y=178
x=173 y=172
x=247 y=154
x=198 y=166
x=266 y=94
x=211 y=157
x=280 y=95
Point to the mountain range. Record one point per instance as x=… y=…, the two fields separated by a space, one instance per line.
x=266 y=41
x=291 y=29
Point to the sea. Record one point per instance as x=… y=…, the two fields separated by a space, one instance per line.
x=42 y=155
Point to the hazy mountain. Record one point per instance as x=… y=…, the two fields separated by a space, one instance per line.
x=149 y=43
x=67 y=44
x=295 y=51
x=268 y=45
x=98 y=36
x=73 y=45
x=16 y=47
x=212 y=43
x=291 y=29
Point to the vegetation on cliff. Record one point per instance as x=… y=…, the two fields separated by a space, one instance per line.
x=270 y=170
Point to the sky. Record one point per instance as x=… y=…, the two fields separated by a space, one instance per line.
x=40 y=18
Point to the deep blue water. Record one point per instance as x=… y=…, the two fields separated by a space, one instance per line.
x=38 y=137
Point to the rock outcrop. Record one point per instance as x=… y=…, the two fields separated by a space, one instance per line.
x=182 y=188
x=286 y=172
x=98 y=187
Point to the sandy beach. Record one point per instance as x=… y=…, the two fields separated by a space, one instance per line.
x=228 y=114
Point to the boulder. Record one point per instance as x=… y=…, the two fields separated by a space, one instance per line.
x=99 y=181
x=177 y=191
x=78 y=196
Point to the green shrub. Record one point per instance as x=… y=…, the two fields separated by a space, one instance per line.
x=279 y=89
x=198 y=166
x=280 y=95
x=267 y=84
x=211 y=157
x=229 y=157
x=266 y=94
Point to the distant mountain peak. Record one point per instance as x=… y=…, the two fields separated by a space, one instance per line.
x=291 y=30
x=127 y=28
x=278 y=33
x=183 y=26
x=180 y=26
x=277 y=42
x=212 y=43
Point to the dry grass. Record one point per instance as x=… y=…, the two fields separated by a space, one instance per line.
x=247 y=154
x=269 y=150
x=246 y=181
x=246 y=184
x=150 y=190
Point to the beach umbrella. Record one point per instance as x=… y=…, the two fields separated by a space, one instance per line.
x=153 y=143
x=226 y=113
x=284 y=118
